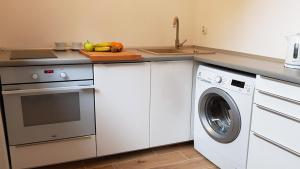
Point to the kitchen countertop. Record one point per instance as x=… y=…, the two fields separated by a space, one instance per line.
x=259 y=65
x=74 y=57
x=255 y=64
x=270 y=67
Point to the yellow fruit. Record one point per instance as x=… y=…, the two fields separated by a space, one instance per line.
x=102 y=49
x=103 y=44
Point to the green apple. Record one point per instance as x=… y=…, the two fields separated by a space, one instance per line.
x=88 y=46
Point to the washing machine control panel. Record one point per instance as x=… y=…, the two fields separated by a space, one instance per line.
x=224 y=81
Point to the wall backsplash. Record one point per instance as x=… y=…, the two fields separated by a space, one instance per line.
x=38 y=24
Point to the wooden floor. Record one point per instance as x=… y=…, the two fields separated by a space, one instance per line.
x=181 y=156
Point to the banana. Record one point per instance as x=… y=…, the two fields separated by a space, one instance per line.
x=103 y=44
x=102 y=49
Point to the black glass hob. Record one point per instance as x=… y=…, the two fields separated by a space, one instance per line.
x=31 y=54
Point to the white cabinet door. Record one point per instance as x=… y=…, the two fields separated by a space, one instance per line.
x=170 y=106
x=122 y=99
x=3 y=151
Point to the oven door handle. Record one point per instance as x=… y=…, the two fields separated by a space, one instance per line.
x=47 y=90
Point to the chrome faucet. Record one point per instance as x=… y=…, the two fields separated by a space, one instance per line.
x=176 y=25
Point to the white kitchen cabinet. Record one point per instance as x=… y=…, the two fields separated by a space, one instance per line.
x=264 y=155
x=3 y=150
x=274 y=141
x=122 y=98
x=170 y=106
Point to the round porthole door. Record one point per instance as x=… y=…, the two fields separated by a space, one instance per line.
x=219 y=115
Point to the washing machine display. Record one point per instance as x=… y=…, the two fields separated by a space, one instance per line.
x=238 y=83
x=219 y=115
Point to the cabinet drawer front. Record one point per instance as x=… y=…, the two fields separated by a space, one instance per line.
x=263 y=154
x=284 y=90
x=60 y=151
x=286 y=108
x=274 y=126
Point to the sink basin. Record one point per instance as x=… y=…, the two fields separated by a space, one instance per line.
x=166 y=51
x=173 y=51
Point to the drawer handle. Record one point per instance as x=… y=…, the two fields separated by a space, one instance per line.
x=55 y=141
x=279 y=97
x=278 y=113
x=277 y=145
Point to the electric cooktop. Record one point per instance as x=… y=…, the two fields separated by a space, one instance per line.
x=32 y=54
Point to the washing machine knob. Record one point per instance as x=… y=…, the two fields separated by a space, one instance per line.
x=218 y=79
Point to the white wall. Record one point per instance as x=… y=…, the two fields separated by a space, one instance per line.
x=251 y=26
x=39 y=23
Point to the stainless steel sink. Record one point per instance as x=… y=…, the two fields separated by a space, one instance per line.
x=173 y=51
x=167 y=51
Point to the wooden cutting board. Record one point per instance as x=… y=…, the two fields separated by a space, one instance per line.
x=109 y=56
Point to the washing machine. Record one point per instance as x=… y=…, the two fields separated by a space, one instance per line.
x=223 y=106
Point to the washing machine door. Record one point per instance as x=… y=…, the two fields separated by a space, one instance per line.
x=219 y=115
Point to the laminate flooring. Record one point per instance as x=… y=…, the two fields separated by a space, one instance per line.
x=179 y=156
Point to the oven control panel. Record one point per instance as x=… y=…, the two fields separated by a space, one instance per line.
x=62 y=75
x=50 y=74
x=33 y=74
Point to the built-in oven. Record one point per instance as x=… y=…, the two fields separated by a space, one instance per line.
x=46 y=103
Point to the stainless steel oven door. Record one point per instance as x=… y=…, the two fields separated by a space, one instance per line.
x=46 y=112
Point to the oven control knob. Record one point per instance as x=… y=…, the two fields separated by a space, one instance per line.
x=218 y=79
x=35 y=76
x=63 y=75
